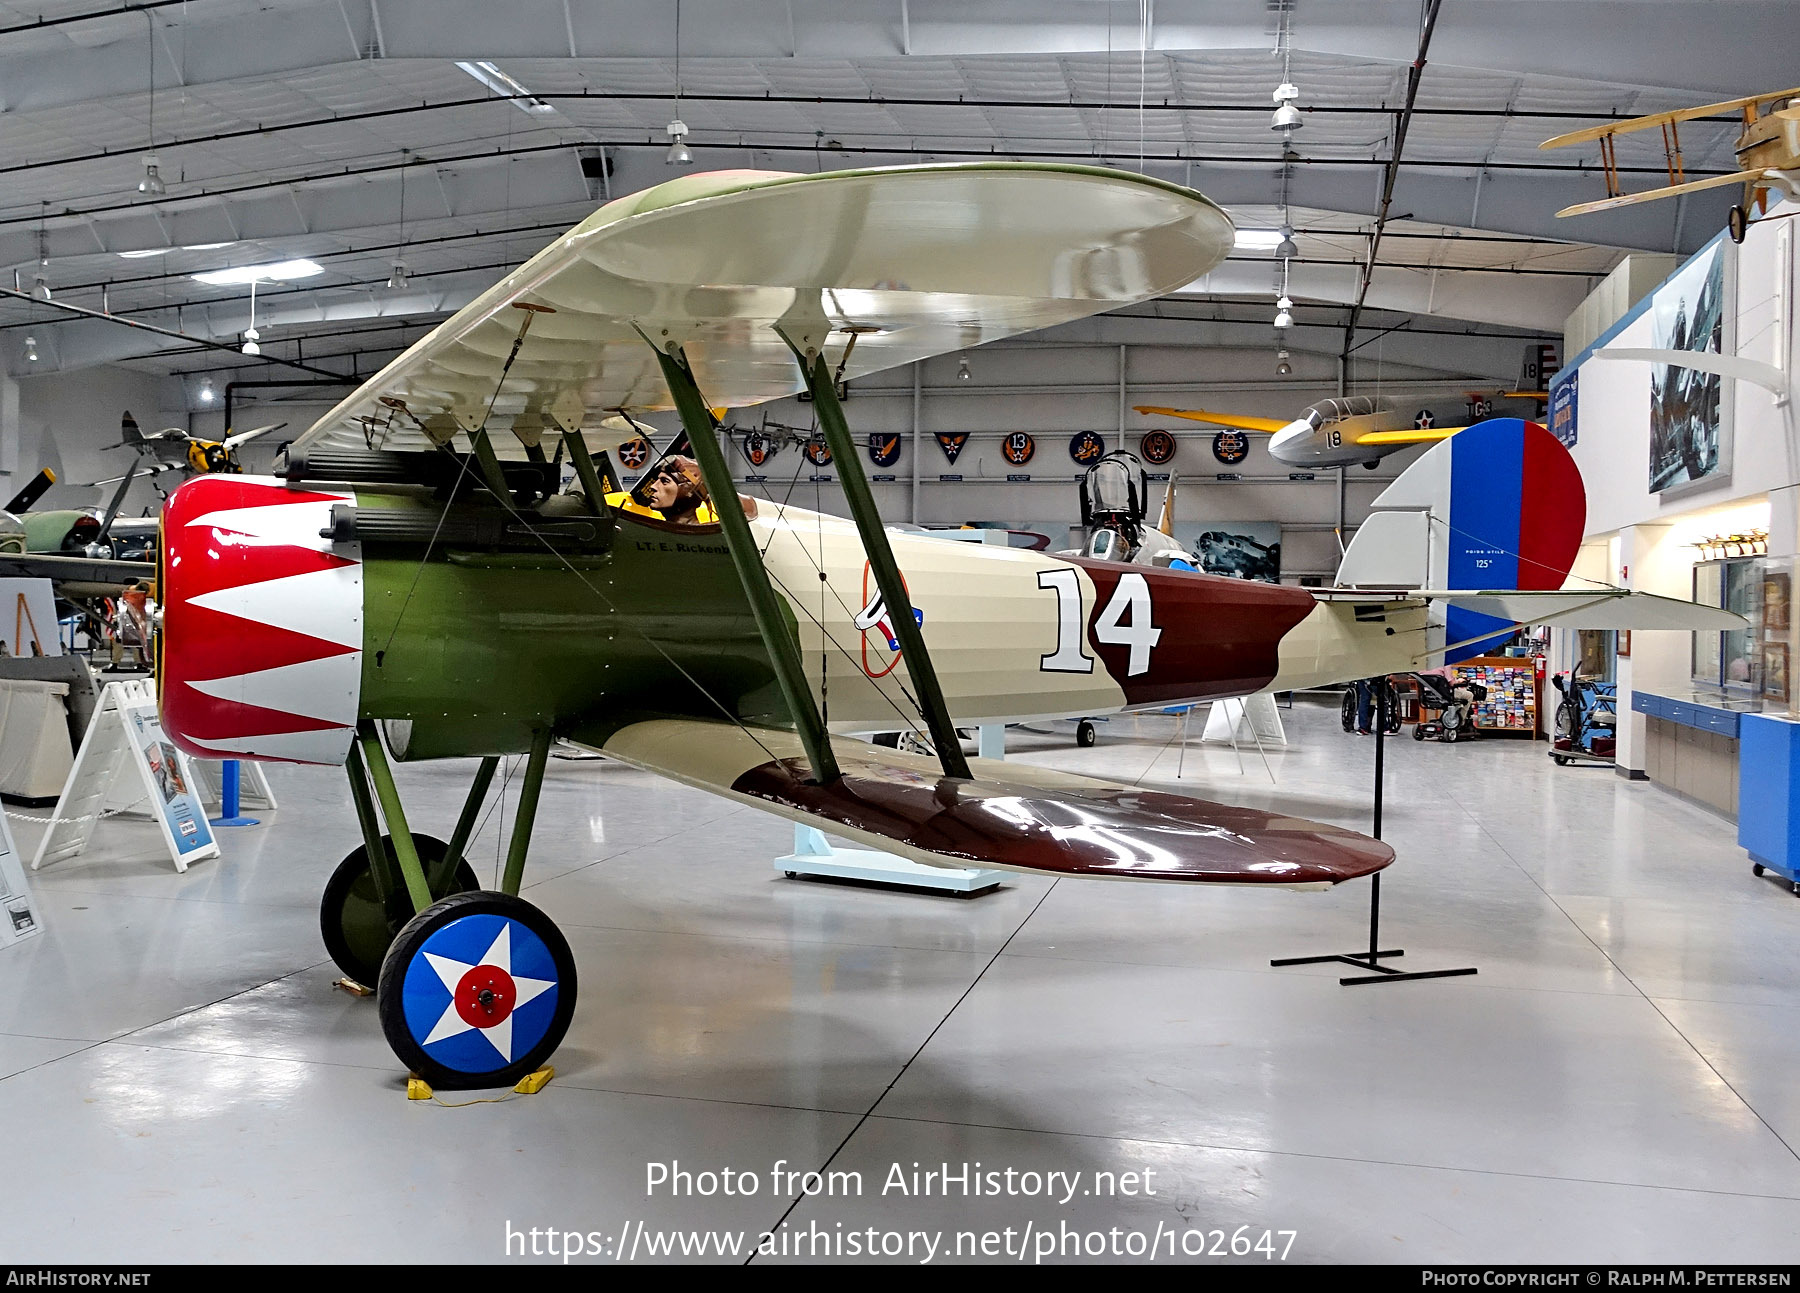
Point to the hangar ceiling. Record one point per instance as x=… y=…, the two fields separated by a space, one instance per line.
x=346 y=132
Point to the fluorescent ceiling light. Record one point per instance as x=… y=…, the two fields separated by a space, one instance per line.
x=500 y=83
x=1258 y=239
x=281 y=271
x=164 y=251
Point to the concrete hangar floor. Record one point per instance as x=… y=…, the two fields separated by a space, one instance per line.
x=182 y=1083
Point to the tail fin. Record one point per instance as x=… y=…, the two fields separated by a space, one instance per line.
x=1498 y=507
x=128 y=430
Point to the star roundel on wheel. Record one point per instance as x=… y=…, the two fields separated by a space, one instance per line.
x=1157 y=447
x=481 y=992
x=1231 y=447
x=633 y=454
x=818 y=453
x=1018 y=448
x=1086 y=447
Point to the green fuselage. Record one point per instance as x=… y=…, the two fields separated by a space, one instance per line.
x=476 y=648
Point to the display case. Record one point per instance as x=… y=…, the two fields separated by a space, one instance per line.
x=1734 y=659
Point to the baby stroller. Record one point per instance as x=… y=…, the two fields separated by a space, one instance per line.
x=1454 y=703
x=1586 y=721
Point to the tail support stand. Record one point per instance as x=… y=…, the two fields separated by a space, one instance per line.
x=1371 y=959
x=231 y=797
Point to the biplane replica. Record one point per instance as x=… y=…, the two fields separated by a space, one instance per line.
x=417 y=584
x=1350 y=429
x=1767 y=150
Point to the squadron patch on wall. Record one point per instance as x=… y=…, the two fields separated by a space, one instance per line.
x=1157 y=447
x=758 y=448
x=1087 y=447
x=1018 y=448
x=633 y=454
x=952 y=442
x=1231 y=446
x=884 y=448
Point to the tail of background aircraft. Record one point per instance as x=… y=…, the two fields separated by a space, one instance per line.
x=1499 y=507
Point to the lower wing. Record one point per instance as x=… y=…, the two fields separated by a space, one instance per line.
x=1654 y=195
x=1270 y=425
x=1008 y=815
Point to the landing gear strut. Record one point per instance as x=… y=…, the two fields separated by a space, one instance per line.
x=474 y=987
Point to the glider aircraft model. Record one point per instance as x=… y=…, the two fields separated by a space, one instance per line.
x=415 y=586
x=1767 y=149
x=1351 y=429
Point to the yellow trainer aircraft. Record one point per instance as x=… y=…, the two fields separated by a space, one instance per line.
x=1768 y=154
x=1350 y=429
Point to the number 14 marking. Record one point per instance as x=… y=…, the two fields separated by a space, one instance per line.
x=1126 y=622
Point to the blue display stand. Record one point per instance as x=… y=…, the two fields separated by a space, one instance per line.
x=231 y=798
x=1769 y=793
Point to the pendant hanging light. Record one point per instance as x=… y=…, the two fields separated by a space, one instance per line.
x=679 y=154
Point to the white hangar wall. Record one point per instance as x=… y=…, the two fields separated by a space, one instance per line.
x=1645 y=540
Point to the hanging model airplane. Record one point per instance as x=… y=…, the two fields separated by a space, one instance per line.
x=173 y=449
x=1351 y=429
x=1767 y=149
x=412 y=579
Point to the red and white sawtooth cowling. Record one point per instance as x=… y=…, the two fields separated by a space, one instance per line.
x=262 y=622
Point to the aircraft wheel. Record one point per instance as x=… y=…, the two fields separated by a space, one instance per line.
x=1737 y=223
x=1085 y=736
x=1347 y=711
x=356 y=925
x=477 y=991
x=1756 y=868
x=1372 y=464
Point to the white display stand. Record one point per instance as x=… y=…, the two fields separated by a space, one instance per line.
x=18 y=918
x=34 y=738
x=253 y=783
x=126 y=729
x=1254 y=718
x=813 y=855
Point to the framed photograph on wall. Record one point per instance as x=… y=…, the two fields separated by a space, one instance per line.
x=1624 y=644
x=1690 y=411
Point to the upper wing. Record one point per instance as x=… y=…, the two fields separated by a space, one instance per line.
x=1655 y=195
x=1586 y=608
x=914 y=261
x=1216 y=419
x=1010 y=815
x=1409 y=435
x=1662 y=119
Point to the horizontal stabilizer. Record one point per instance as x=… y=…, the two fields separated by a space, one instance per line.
x=1240 y=420
x=1008 y=815
x=1567 y=608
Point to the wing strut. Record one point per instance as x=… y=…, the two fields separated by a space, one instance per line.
x=784 y=651
x=881 y=556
